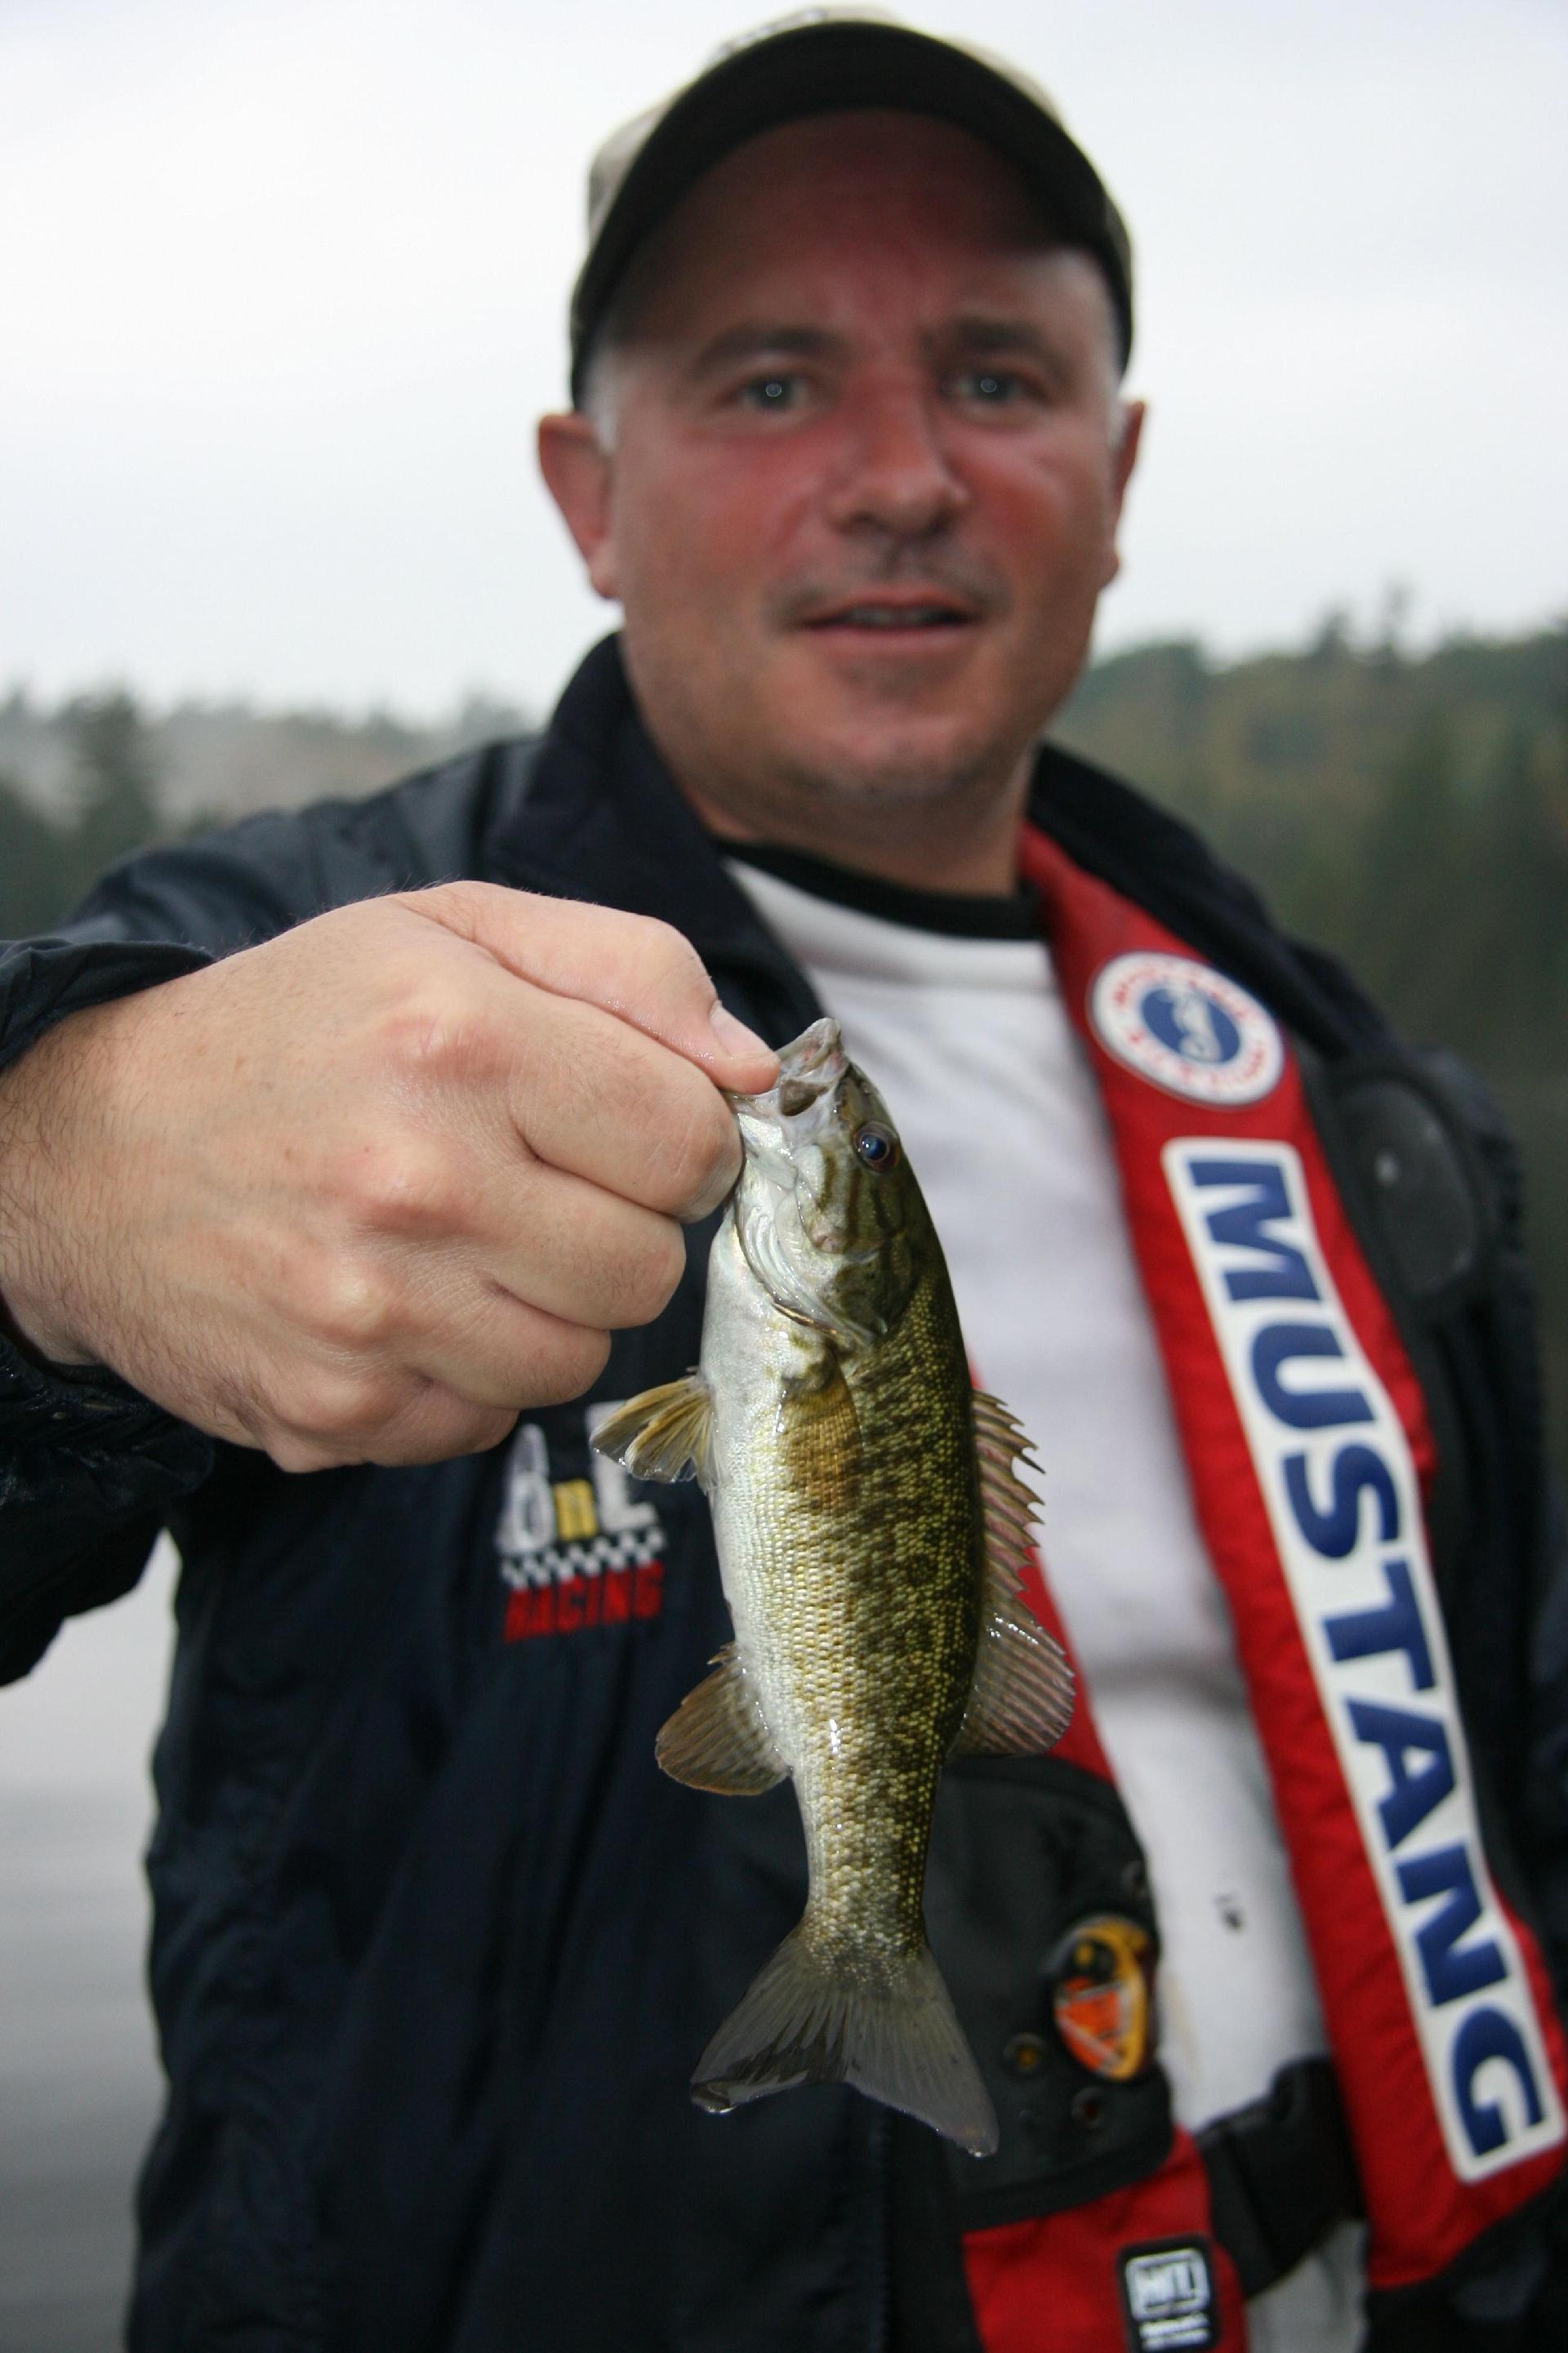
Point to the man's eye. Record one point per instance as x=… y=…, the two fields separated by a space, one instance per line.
x=991 y=387
x=772 y=393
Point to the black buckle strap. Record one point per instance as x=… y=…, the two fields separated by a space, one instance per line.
x=1281 y=2174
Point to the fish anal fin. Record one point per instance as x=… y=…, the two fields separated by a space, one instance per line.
x=896 y=2038
x=664 y=1433
x=718 y=1737
x=1020 y=1701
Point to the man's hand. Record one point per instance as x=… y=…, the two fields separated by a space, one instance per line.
x=361 y=1193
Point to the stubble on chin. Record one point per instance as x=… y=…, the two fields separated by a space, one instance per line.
x=777 y=765
x=854 y=807
x=902 y=757
x=888 y=782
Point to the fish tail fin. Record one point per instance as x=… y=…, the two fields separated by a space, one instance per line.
x=899 y=2040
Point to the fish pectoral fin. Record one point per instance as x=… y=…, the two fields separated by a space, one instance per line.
x=664 y=1433
x=1020 y=1701
x=718 y=1737
x=822 y=1445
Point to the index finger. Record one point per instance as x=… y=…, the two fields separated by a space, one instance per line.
x=642 y=971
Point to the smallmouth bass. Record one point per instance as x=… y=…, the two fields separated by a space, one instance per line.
x=871 y=1526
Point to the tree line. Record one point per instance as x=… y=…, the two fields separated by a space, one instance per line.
x=1410 y=813
x=49 y=861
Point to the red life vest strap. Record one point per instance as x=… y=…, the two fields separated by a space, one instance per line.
x=1308 y=1449
x=1141 y=2268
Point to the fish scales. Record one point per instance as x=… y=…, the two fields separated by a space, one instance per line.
x=855 y=1597
x=869 y=1528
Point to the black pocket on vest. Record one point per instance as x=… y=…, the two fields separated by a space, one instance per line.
x=1023 y=1851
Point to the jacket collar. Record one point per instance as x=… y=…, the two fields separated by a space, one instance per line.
x=595 y=816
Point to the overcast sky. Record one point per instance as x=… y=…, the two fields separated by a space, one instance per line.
x=282 y=284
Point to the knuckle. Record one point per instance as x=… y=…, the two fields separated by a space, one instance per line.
x=568 y=1362
x=671 y=957
x=401 y=1186
x=666 y=1268
x=461 y=906
x=440 y=1038
x=439 y=1425
x=698 y=1151
x=342 y=1409
x=577 y=1074
x=297 y=1455
x=644 y=1284
x=348 y=1304
x=482 y=1427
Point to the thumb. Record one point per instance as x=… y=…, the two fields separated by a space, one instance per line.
x=644 y=972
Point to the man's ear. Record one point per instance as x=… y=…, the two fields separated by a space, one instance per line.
x=1123 y=459
x=576 y=473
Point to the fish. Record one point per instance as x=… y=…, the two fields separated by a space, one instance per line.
x=871 y=1525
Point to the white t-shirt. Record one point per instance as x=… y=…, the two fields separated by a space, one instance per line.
x=968 y=1041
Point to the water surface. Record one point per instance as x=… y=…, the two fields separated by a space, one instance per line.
x=78 y=2081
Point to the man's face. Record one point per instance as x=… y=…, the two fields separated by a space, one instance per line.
x=868 y=462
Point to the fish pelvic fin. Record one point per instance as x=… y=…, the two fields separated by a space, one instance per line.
x=718 y=1737
x=1021 y=1699
x=897 y=2039
x=664 y=1433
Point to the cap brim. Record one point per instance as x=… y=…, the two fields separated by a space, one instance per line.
x=827 y=68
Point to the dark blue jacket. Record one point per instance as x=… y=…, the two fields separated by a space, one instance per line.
x=435 y=1943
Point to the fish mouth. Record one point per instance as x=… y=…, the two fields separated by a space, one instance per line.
x=781 y=1133
x=810 y=1069
x=810 y=1063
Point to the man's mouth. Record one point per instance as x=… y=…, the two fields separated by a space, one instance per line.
x=888 y=614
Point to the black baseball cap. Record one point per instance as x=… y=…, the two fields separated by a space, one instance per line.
x=822 y=61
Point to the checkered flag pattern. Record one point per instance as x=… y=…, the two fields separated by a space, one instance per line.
x=592 y=1557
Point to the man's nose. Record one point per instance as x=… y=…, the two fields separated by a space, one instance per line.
x=894 y=473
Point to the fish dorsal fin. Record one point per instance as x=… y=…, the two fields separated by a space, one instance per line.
x=664 y=1433
x=1021 y=1699
x=1008 y=1504
x=718 y=1737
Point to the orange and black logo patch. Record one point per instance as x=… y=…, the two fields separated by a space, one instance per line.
x=1102 y=1995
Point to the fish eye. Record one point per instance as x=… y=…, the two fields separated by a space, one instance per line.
x=878 y=1146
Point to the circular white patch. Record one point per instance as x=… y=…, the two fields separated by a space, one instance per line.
x=1187 y=1027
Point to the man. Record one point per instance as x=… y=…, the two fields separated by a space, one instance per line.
x=359 y=1144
